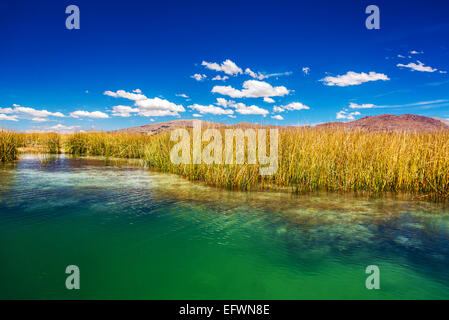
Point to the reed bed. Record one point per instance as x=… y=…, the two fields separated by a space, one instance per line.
x=9 y=144
x=309 y=160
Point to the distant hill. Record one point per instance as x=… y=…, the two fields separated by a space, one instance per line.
x=385 y=122
x=155 y=128
x=388 y=122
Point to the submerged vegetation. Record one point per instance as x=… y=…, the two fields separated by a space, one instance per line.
x=309 y=159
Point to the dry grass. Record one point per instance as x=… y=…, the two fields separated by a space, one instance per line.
x=9 y=143
x=309 y=160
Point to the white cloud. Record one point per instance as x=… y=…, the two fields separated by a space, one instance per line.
x=182 y=95
x=36 y=113
x=198 y=77
x=196 y=115
x=125 y=95
x=352 y=78
x=137 y=91
x=210 y=109
x=9 y=118
x=353 y=105
x=220 y=78
x=278 y=109
x=241 y=107
x=277 y=117
x=60 y=128
x=224 y=103
x=268 y=100
x=442 y=71
x=6 y=110
x=157 y=107
x=39 y=120
x=401 y=56
x=249 y=110
x=261 y=76
x=422 y=104
x=295 y=106
x=347 y=116
x=147 y=107
x=232 y=116
x=123 y=111
x=252 y=89
x=416 y=52
x=257 y=75
x=227 y=67
x=417 y=67
x=87 y=114
x=306 y=70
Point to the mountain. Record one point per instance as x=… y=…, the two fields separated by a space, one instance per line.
x=388 y=122
x=385 y=122
x=155 y=128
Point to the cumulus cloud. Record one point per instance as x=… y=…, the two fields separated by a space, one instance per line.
x=255 y=75
x=9 y=118
x=417 y=67
x=220 y=78
x=347 y=115
x=306 y=70
x=62 y=128
x=36 y=113
x=352 y=78
x=87 y=114
x=6 y=110
x=249 y=110
x=268 y=100
x=125 y=95
x=277 y=117
x=196 y=115
x=210 y=109
x=157 y=107
x=39 y=119
x=147 y=107
x=416 y=52
x=182 y=95
x=198 y=77
x=224 y=103
x=278 y=109
x=227 y=67
x=241 y=107
x=137 y=91
x=293 y=106
x=252 y=89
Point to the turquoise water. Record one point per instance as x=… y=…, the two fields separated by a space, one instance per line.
x=137 y=234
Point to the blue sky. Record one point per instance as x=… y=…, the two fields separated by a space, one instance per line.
x=283 y=62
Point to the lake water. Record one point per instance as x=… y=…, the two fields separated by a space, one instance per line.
x=136 y=234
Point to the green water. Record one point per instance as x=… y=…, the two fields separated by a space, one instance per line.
x=136 y=234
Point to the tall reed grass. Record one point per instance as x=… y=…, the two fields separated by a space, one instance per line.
x=9 y=143
x=309 y=160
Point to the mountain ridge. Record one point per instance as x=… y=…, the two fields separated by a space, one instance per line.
x=384 y=122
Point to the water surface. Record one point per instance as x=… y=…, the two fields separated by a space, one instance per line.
x=136 y=234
